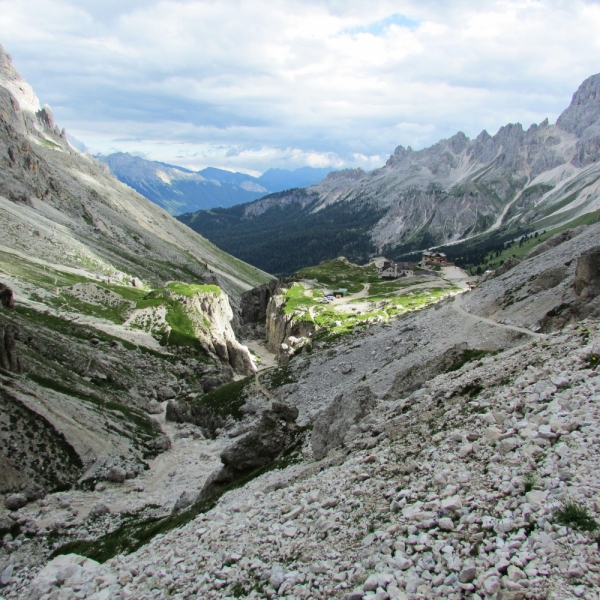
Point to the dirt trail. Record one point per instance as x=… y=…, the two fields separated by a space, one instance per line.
x=457 y=305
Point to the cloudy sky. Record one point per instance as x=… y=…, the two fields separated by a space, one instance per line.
x=248 y=85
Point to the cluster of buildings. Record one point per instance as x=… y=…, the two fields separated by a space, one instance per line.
x=394 y=270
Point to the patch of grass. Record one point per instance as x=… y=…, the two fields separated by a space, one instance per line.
x=573 y=515
x=281 y=376
x=190 y=289
x=297 y=298
x=339 y=273
x=116 y=314
x=226 y=400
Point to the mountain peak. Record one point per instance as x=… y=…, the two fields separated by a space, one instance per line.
x=18 y=87
x=584 y=109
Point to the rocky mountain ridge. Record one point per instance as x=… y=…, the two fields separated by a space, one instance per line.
x=516 y=180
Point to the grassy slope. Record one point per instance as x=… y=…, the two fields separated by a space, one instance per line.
x=51 y=287
x=387 y=299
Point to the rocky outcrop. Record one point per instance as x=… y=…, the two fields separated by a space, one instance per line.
x=282 y=325
x=211 y=315
x=273 y=434
x=218 y=409
x=510 y=263
x=254 y=303
x=549 y=279
x=587 y=274
x=9 y=358
x=337 y=425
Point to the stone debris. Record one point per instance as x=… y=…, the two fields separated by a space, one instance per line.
x=481 y=524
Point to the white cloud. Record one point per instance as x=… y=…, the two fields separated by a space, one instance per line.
x=253 y=84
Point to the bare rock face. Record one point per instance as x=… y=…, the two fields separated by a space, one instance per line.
x=212 y=317
x=274 y=433
x=587 y=274
x=584 y=109
x=333 y=427
x=282 y=326
x=253 y=305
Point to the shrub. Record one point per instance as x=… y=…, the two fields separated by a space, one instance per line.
x=575 y=516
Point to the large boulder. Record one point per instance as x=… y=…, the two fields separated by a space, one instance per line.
x=34 y=491
x=15 y=501
x=212 y=382
x=275 y=432
x=265 y=442
x=333 y=427
x=178 y=412
x=548 y=279
x=165 y=392
x=587 y=274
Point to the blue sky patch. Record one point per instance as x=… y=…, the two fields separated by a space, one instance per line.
x=377 y=28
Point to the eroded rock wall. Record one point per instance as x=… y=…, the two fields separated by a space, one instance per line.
x=212 y=316
x=284 y=328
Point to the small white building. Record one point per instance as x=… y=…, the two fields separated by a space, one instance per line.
x=393 y=270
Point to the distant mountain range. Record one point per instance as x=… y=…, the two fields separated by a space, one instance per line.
x=179 y=190
x=487 y=190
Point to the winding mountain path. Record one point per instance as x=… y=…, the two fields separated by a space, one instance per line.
x=457 y=306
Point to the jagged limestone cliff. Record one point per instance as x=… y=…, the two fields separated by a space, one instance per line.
x=515 y=180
